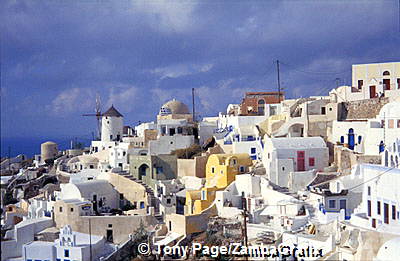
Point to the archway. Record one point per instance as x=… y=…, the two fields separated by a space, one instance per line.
x=143 y=171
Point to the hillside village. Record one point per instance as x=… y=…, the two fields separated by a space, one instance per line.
x=318 y=171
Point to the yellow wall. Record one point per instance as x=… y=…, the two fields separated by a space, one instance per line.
x=367 y=72
x=221 y=170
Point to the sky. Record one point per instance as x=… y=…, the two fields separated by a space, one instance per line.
x=56 y=55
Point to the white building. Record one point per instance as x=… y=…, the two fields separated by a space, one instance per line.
x=281 y=156
x=100 y=192
x=245 y=139
x=70 y=246
x=370 y=81
x=265 y=205
x=380 y=206
x=391 y=155
x=83 y=162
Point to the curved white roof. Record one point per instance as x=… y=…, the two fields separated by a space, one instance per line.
x=85 y=159
x=390 y=250
x=86 y=189
x=390 y=110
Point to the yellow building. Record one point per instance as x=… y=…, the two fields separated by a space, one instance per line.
x=221 y=170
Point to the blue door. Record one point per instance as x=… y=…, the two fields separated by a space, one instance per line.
x=351 y=139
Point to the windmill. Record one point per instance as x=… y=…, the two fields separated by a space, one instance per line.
x=97 y=114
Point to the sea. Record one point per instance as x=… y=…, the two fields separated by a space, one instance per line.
x=30 y=146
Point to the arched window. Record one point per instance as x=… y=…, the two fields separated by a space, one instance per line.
x=342 y=139
x=359 y=139
x=385 y=73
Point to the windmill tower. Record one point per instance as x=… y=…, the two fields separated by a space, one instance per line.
x=97 y=114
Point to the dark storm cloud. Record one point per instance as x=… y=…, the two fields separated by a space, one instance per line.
x=56 y=55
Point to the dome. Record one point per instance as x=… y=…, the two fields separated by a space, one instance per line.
x=49 y=143
x=389 y=250
x=390 y=110
x=174 y=107
x=84 y=159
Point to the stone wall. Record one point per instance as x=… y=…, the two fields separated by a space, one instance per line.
x=345 y=159
x=362 y=109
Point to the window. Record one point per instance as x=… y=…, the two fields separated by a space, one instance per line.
x=253 y=150
x=360 y=84
x=398 y=123
x=378 y=208
x=323 y=110
x=332 y=203
x=60 y=209
x=72 y=209
x=241 y=169
x=369 y=191
x=159 y=170
x=369 y=207
x=393 y=212
x=121 y=196
x=168 y=201
x=110 y=225
x=124 y=153
x=359 y=139
x=234 y=162
x=311 y=162
x=382 y=123
x=141 y=204
x=283 y=168
x=398 y=83
x=66 y=253
x=212 y=169
x=111 y=137
x=385 y=73
x=342 y=139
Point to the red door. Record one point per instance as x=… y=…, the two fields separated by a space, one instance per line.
x=300 y=161
x=372 y=91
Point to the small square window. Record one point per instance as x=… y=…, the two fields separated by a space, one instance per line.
x=253 y=150
x=109 y=225
x=72 y=209
x=66 y=253
x=332 y=203
x=60 y=209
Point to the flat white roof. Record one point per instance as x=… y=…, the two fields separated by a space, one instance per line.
x=298 y=142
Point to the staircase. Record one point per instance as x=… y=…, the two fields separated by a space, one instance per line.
x=150 y=194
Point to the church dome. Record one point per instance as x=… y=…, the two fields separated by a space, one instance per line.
x=174 y=107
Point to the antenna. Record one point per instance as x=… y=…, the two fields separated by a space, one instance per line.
x=279 y=81
x=193 y=109
x=97 y=114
